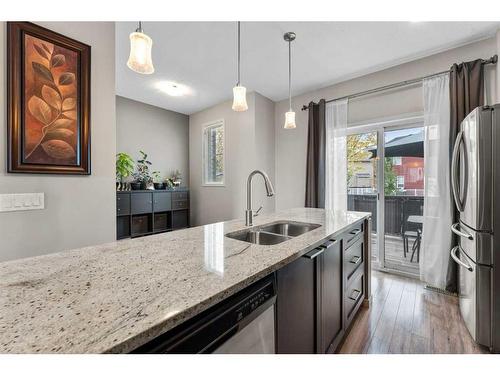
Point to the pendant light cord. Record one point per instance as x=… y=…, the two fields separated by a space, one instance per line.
x=290 y=74
x=238 y=83
x=139 y=30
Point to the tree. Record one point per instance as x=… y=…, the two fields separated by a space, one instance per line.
x=358 y=146
x=390 y=179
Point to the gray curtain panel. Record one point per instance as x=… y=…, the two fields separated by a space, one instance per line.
x=315 y=168
x=466 y=93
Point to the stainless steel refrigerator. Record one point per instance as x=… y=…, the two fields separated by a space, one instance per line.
x=475 y=177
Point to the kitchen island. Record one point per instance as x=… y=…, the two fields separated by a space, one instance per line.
x=115 y=297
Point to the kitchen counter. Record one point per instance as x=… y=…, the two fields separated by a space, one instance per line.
x=117 y=296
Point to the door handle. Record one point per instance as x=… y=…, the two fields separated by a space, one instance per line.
x=315 y=253
x=355 y=292
x=329 y=244
x=355 y=259
x=455 y=257
x=454 y=171
x=454 y=229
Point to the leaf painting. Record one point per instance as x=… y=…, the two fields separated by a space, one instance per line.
x=51 y=97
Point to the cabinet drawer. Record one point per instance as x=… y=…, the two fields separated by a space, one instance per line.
x=123 y=204
x=353 y=258
x=354 y=295
x=180 y=196
x=141 y=203
x=180 y=205
x=353 y=234
x=162 y=201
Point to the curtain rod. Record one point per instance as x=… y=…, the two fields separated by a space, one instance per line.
x=492 y=60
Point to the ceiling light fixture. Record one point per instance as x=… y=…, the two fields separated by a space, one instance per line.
x=239 y=92
x=290 y=115
x=139 y=59
x=173 y=88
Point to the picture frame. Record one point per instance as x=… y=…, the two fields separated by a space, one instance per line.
x=48 y=101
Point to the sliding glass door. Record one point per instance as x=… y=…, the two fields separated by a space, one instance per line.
x=385 y=176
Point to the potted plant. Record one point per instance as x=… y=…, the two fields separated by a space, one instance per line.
x=168 y=183
x=176 y=178
x=157 y=182
x=142 y=174
x=124 y=168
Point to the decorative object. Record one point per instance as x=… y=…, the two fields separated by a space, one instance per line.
x=290 y=115
x=168 y=183
x=140 y=60
x=124 y=168
x=157 y=182
x=135 y=185
x=48 y=101
x=176 y=178
x=239 y=92
x=142 y=174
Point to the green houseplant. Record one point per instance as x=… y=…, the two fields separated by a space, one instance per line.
x=124 y=168
x=142 y=174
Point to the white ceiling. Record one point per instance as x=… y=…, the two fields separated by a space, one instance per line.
x=202 y=55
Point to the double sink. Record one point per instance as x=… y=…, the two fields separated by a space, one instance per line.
x=273 y=233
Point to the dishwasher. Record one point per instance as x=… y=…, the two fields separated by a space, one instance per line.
x=241 y=324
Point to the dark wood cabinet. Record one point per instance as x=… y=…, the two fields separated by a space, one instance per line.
x=296 y=306
x=320 y=293
x=331 y=296
x=144 y=212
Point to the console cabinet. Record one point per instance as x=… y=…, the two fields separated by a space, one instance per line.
x=320 y=293
x=144 y=212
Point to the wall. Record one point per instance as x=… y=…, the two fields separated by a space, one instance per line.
x=249 y=144
x=162 y=134
x=80 y=210
x=291 y=145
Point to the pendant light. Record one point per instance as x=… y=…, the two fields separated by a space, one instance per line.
x=140 y=52
x=290 y=115
x=239 y=92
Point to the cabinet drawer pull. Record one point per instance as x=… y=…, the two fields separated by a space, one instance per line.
x=329 y=244
x=355 y=259
x=355 y=292
x=313 y=254
x=355 y=231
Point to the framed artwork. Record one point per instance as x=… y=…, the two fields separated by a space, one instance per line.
x=48 y=99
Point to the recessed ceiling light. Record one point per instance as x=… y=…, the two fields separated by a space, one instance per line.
x=173 y=88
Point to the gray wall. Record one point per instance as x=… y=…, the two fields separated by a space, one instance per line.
x=80 y=210
x=162 y=134
x=249 y=144
x=291 y=145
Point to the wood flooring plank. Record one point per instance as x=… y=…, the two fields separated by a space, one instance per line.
x=400 y=341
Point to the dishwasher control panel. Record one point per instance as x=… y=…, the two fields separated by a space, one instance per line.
x=254 y=301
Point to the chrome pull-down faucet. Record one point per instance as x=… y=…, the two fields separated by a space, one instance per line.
x=270 y=192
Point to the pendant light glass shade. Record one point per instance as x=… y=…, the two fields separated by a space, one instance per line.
x=290 y=120
x=239 y=92
x=240 y=99
x=290 y=115
x=140 y=53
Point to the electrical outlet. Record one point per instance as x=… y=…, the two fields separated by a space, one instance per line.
x=22 y=202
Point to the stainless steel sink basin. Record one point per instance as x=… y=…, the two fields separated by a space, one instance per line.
x=273 y=233
x=258 y=237
x=289 y=228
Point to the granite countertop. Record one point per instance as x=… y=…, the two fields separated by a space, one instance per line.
x=117 y=296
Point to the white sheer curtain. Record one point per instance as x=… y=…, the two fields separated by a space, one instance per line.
x=336 y=155
x=436 y=236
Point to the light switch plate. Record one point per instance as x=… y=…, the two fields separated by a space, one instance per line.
x=22 y=202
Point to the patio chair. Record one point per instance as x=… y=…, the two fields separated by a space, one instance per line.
x=416 y=246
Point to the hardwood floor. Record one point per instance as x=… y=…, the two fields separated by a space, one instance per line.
x=405 y=318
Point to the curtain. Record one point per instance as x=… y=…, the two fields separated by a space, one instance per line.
x=336 y=155
x=315 y=167
x=466 y=93
x=438 y=211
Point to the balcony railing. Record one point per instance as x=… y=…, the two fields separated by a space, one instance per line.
x=397 y=209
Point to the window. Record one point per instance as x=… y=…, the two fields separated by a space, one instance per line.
x=396 y=160
x=213 y=153
x=401 y=182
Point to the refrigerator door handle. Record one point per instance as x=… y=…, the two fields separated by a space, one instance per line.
x=455 y=257
x=454 y=171
x=454 y=229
